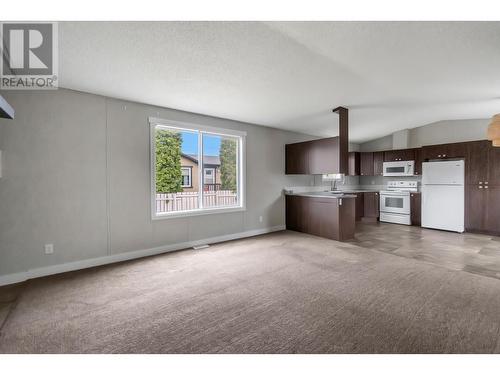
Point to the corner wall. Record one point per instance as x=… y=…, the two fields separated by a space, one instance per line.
x=77 y=174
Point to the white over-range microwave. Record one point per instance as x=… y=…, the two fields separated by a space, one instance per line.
x=399 y=168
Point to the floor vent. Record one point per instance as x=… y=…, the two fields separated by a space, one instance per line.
x=199 y=247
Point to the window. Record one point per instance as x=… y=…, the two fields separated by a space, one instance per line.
x=186 y=177
x=195 y=169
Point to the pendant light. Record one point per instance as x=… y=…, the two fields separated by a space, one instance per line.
x=494 y=130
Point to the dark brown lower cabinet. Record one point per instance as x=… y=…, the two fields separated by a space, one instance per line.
x=360 y=206
x=482 y=209
x=416 y=209
x=492 y=223
x=324 y=217
x=475 y=208
x=371 y=206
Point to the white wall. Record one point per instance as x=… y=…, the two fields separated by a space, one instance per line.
x=77 y=174
x=440 y=132
x=379 y=144
x=449 y=132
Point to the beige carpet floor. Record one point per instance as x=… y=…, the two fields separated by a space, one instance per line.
x=279 y=293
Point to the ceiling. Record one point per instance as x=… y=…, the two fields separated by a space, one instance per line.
x=289 y=75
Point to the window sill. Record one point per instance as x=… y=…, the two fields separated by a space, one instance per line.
x=207 y=211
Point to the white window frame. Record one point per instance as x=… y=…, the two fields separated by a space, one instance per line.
x=201 y=129
x=190 y=175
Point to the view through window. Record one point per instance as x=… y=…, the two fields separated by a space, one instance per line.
x=195 y=170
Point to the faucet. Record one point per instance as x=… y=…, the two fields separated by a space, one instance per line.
x=334 y=185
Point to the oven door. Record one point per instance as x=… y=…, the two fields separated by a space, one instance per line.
x=398 y=203
x=399 y=168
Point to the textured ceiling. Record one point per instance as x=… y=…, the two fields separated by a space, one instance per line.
x=289 y=75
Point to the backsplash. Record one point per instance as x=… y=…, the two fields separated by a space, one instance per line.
x=381 y=182
x=352 y=182
x=317 y=184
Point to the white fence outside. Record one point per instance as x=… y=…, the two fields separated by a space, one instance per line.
x=183 y=201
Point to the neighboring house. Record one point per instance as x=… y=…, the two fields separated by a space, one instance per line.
x=190 y=174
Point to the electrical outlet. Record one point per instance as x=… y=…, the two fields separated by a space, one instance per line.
x=260 y=219
x=49 y=248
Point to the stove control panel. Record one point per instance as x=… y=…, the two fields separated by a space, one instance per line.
x=403 y=185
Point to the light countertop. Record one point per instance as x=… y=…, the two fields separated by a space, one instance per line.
x=324 y=194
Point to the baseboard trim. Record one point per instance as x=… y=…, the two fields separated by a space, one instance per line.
x=93 y=262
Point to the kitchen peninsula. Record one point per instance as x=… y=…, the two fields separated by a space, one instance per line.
x=324 y=214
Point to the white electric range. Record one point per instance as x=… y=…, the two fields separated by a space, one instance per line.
x=395 y=202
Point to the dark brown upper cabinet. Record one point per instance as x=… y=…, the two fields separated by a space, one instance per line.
x=418 y=161
x=354 y=163
x=366 y=164
x=399 y=155
x=313 y=157
x=445 y=151
x=493 y=166
x=378 y=163
x=297 y=158
x=477 y=162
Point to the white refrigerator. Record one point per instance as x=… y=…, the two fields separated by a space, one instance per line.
x=443 y=197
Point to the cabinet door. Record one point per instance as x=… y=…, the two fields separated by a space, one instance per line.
x=407 y=154
x=371 y=205
x=293 y=212
x=378 y=163
x=477 y=163
x=391 y=155
x=323 y=156
x=445 y=151
x=492 y=224
x=475 y=208
x=493 y=177
x=297 y=213
x=418 y=162
x=354 y=163
x=297 y=158
x=432 y=152
x=416 y=208
x=399 y=155
x=322 y=217
x=366 y=164
x=360 y=206
x=455 y=150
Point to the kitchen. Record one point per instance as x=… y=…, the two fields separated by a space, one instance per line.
x=452 y=186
